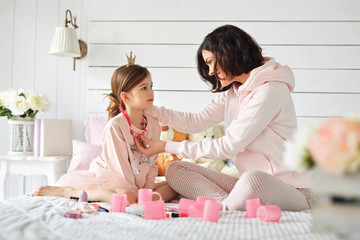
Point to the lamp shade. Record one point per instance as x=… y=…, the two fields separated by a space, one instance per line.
x=65 y=43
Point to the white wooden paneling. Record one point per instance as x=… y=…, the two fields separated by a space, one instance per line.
x=68 y=85
x=24 y=44
x=312 y=57
x=96 y=102
x=6 y=42
x=344 y=33
x=6 y=60
x=325 y=105
x=316 y=57
x=82 y=67
x=147 y=55
x=181 y=101
x=307 y=80
x=225 y=10
x=306 y=121
x=306 y=104
x=27 y=29
x=323 y=50
x=163 y=78
x=46 y=65
x=329 y=80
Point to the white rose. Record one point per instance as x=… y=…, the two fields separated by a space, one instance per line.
x=18 y=105
x=7 y=96
x=27 y=93
x=45 y=104
x=34 y=102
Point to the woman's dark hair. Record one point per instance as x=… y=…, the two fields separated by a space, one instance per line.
x=124 y=79
x=236 y=53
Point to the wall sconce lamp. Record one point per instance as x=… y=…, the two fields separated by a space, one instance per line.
x=65 y=42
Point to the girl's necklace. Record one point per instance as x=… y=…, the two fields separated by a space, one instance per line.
x=143 y=123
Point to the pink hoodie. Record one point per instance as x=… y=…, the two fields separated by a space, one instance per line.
x=259 y=117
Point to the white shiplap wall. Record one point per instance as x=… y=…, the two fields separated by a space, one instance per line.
x=26 y=32
x=27 y=28
x=319 y=40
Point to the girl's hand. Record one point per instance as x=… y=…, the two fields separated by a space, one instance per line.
x=149 y=147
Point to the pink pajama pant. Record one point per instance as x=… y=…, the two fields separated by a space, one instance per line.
x=191 y=180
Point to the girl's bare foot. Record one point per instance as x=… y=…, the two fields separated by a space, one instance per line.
x=51 y=191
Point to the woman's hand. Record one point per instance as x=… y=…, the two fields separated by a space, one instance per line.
x=149 y=147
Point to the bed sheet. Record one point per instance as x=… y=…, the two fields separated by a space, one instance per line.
x=29 y=217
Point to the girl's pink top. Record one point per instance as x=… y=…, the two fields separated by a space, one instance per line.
x=259 y=117
x=120 y=165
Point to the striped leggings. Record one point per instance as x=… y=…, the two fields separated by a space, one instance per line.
x=191 y=180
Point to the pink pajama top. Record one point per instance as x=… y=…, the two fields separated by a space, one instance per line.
x=120 y=165
x=259 y=117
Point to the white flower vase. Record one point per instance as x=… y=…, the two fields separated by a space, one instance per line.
x=21 y=136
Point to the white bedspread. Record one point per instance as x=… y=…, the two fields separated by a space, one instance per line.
x=29 y=217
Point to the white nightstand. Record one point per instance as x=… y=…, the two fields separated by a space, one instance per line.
x=53 y=167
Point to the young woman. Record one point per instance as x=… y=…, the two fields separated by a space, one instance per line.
x=257 y=109
x=120 y=168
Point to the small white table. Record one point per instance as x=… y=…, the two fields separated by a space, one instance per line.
x=51 y=166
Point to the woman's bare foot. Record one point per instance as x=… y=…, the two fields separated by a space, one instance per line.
x=51 y=191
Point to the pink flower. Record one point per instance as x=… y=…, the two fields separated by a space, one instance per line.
x=335 y=146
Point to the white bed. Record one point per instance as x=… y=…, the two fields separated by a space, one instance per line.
x=29 y=217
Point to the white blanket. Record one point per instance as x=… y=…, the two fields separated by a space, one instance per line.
x=29 y=217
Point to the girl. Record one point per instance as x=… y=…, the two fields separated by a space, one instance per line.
x=256 y=107
x=120 y=168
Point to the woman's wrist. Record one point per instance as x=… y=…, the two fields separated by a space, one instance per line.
x=163 y=146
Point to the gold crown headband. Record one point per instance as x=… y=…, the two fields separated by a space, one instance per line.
x=131 y=59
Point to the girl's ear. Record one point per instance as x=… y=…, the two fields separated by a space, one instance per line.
x=124 y=96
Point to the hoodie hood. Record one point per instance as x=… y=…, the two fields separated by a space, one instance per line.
x=270 y=71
